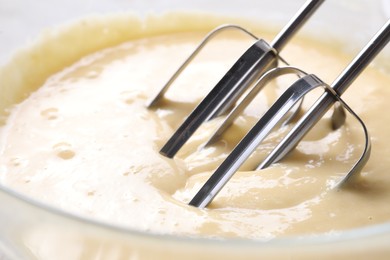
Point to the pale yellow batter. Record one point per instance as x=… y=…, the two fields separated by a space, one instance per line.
x=85 y=142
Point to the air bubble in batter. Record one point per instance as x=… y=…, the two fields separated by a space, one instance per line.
x=50 y=113
x=64 y=151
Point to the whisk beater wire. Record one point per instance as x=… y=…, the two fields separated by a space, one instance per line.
x=249 y=67
x=332 y=94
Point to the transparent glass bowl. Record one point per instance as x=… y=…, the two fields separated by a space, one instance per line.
x=30 y=230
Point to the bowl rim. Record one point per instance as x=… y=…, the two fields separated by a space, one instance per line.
x=284 y=242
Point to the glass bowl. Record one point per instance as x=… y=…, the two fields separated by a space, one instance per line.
x=31 y=230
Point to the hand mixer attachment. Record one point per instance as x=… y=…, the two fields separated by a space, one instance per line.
x=252 y=64
x=255 y=68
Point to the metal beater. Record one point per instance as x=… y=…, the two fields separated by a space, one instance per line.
x=253 y=70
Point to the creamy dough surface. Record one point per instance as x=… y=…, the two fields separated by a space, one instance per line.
x=86 y=143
